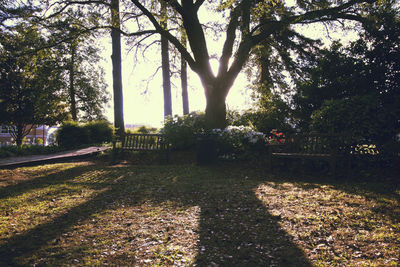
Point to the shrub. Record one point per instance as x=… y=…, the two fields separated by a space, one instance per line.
x=239 y=142
x=276 y=137
x=367 y=123
x=99 y=131
x=8 y=151
x=12 y=151
x=260 y=120
x=71 y=135
x=180 y=131
x=145 y=130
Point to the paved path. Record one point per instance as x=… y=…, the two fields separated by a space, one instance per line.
x=50 y=158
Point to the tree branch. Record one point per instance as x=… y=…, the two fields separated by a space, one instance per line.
x=168 y=35
x=175 y=5
x=328 y=13
x=67 y=4
x=228 y=45
x=196 y=37
x=198 y=4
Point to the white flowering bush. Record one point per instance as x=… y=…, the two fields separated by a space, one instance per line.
x=239 y=142
x=180 y=131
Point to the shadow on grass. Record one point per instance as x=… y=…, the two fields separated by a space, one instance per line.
x=380 y=186
x=234 y=228
x=43 y=181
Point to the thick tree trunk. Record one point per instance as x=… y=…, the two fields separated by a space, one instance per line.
x=72 y=81
x=117 y=69
x=216 y=110
x=165 y=64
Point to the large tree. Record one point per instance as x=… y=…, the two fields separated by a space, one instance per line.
x=93 y=16
x=85 y=85
x=30 y=84
x=246 y=24
x=244 y=30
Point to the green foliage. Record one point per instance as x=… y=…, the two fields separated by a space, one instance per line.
x=354 y=91
x=181 y=132
x=273 y=113
x=335 y=75
x=239 y=142
x=365 y=120
x=81 y=54
x=29 y=82
x=99 y=131
x=145 y=130
x=25 y=150
x=71 y=134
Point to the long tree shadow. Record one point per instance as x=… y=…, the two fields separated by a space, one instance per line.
x=112 y=186
x=235 y=228
x=54 y=178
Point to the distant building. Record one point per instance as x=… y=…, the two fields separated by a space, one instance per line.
x=37 y=135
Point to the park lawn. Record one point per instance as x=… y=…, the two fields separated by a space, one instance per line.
x=90 y=213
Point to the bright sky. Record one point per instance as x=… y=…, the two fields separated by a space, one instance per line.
x=146 y=107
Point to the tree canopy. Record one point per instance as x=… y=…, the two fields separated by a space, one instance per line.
x=265 y=32
x=246 y=24
x=359 y=82
x=30 y=84
x=38 y=58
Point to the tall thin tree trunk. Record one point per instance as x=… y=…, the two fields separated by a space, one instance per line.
x=72 y=92
x=184 y=83
x=117 y=68
x=165 y=64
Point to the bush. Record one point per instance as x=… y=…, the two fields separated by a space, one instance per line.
x=71 y=135
x=365 y=119
x=8 y=151
x=367 y=122
x=181 y=131
x=12 y=151
x=239 y=142
x=99 y=131
x=260 y=120
x=145 y=130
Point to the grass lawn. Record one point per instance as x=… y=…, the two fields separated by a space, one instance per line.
x=89 y=213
